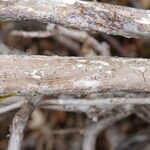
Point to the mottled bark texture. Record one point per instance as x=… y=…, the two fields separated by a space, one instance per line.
x=31 y=75
x=92 y=17
x=18 y=126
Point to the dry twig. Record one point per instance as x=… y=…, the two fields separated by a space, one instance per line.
x=92 y=131
x=92 y=107
x=64 y=35
x=19 y=123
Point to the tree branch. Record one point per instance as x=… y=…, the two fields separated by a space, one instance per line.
x=92 y=17
x=66 y=36
x=19 y=123
x=55 y=76
x=92 y=131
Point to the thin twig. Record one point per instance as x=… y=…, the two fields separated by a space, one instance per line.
x=67 y=131
x=63 y=35
x=93 y=130
x=143 y=112
x=117 y=46
x=19 y=123
x=92 y=107
x=11 y=107
x=80 y=36
x=32 y=34
x=101 y=106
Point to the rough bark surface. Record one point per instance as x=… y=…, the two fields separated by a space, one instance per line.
x=18 y=126
x=93 y=17
x=72 y=76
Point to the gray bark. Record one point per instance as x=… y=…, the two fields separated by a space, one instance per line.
x=92 y=17
x=31 y=75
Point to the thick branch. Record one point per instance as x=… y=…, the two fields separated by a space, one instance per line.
x=30 y=75
x=110 y=19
